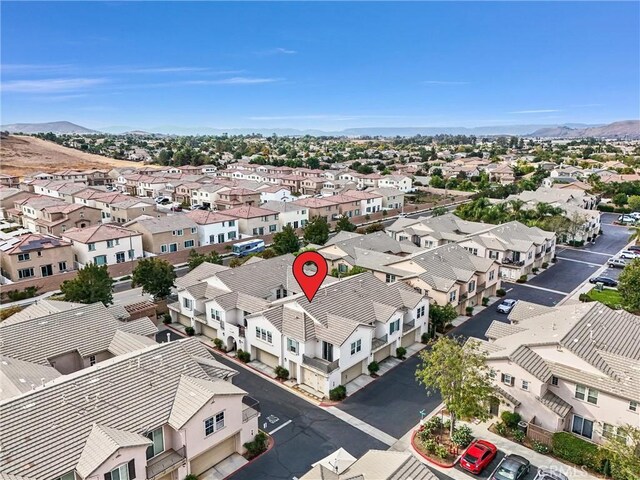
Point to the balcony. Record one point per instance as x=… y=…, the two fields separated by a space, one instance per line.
x=548 y=249
x=250 y=408
x=320 y=364
x=482 y=286
x=409 y=325
x=378 y=342
x=515 y=263
x=165 y=463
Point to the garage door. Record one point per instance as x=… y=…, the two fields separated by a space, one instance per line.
x=208 y=331
x=212 y=457
x=183 y=320
x=351 y=373
x=408 y=339
x=382 y=354
x=266 y=358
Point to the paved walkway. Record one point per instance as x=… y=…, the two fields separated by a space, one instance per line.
x=363 y=426
x=224 y=468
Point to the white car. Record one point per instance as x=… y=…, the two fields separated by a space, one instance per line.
x=629 y=255
x=627 y=219
x=617 y=263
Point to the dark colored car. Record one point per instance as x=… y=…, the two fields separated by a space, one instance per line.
x=546 y=474
x=506 y=306
x=606 y=281
x=176 y=208
x=477 y=456
x=512 y=467
x=634 y=248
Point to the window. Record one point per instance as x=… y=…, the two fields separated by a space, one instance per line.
x=188 y=243
x=327 y=351
x=92 y=247
x=263 y=334
x=120 y=257
x=633 y=406
x=126 y=471
x=494 y=255
x=23 y=257
x=394 y=327
x=588 y=394
x=292 y=345
x=187 y=303
x=232 y=223
x=173 y=247
x=46 y=270
x=342 y=268
x=131 y=254
x=554 y=381
x=178 y=233
x=356 y=347
x=492 y=275
x=157 y=437
x=272 y=228
x=213 y=424
x=231 y=235
x=530 y=254
x=92 y=360
x=100 y=260
x=215 y=314
x=452 y=296
x=582 y=426
x=109 y=243
x=62 y=266
x=68 y=476
x=472 y=286
x=525 y=385
x=390 y=278
x=193 y=229
x=507 y=379
x=163 y=249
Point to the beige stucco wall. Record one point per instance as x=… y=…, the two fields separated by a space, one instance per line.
x=49 y=256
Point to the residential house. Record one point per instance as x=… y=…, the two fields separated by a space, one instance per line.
x=369 y=202
x=122 y=208
x=214 y=227
x=34 y=256
x=430 y=232
x=9 y=181
x=53 y=217
x=289 y=213
x=104 y=244
x=182 y=416
x=320 y=207
x=570 y=368
x=403 y=183
x=254 y=221
x=237 y=197
x=330 y=341
x=392 y=198
x=207 y=194
x=171 y=233
x=311 y=185
x=275 y=193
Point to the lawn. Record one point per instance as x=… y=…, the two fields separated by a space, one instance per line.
x=609 y=296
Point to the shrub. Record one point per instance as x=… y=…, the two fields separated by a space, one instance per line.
x=522 y=279
x=575 y=450
x=519 y=436
x=535 y=269
x=447 y=424
x=501 y=429
x=462 y=436
x=243 y=356
x=485 y=301
x=430 y=445
x=384 y=213
x=401 y=352
x=338 y=393
x=424 y=338
x=510 y=419
x=540 y=447
x=191 y=476
x=367 y=217
x=190 y=331
x=469 y=311
x=373 y=367
x=281 y=373
x=218 y=343
x=501 y=292
x=257 y=446
x=584 y=297
x=545 y=265
x=433 y=425
x=228 y=247
x=166 y=319
x=441 y=451
x=29 y=292
x=603 y=207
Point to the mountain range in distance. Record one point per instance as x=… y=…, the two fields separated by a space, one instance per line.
x=629 y=129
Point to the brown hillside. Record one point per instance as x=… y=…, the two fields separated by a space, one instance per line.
x=23 y=156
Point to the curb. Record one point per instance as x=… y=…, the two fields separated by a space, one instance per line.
x=270 y=445
x=428 y=459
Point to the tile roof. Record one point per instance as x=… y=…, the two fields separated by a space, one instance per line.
x=162 y=224
x=98 y=233
x=205 y=217
x=249 y=212
x=40 y=309
x=125 y=342
x=18 y=376
x=555 y=404
x=200 y=273
x=31 y=242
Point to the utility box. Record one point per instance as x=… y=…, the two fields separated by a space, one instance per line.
x=523 y=426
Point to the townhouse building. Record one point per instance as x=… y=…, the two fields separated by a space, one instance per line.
x=571 y=368
x=122 y=208
x=392 y=198
x=54 y=217
x=370 y=202
x=214 y=227
x=320 y=207
x=8 y=199
x=104 y=244
x=207 y=194
x=255 y=221
x=34 y=256
x=348 y=206
x=275 y=193
x=237 y=197
x=9 y=181
x=166 y=234
x=289 y=214
x=404 y=183
x=311 y=185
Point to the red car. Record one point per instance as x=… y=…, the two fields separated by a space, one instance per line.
x=478 y=455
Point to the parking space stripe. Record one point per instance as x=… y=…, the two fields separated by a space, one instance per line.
x=581 y=261
x=528 y=285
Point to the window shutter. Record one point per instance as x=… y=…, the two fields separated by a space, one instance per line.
x=132 y=469
x=502 y=377
x=107 y=476
x=513 y=381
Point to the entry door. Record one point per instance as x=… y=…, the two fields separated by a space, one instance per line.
x=221 y=238
x=46 y=270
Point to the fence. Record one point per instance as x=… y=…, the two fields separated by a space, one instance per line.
x=538 y=434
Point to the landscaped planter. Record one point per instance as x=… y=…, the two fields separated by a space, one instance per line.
x=433 y=443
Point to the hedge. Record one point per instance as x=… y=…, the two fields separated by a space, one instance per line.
x=338 y=393
x=575 y=450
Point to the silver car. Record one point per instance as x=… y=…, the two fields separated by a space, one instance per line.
x=617 y=262
x=506 y=305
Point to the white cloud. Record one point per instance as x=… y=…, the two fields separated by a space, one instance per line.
x=277 y=51
x=51 y=85
x=546 y=110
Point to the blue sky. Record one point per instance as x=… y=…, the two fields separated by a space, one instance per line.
x=320 y=65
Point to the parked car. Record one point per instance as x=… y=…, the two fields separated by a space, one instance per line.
x=176 y=208
x=506 y=306
x=617 y=262
x=547 y=474
x=629 y=254
x=478 y=455
x=606 y=281
x=634 y=248
x=627 y=219
x=512 y=467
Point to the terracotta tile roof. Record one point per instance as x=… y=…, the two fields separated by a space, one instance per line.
x=98 y=233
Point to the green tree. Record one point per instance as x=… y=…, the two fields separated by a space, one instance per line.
x=286 y=241
x=629 y=285
x=196 y=258
x=620 y=199
x=634 y=203
x=436 y=182
x=345 y=225
x=460 y=374
x=317 y=231
x=442 y=316
x=624 y=448
x=439 y=211
x=155 y=276
x=91 y=284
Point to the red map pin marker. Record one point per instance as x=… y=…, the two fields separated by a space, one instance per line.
x=310 y=283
